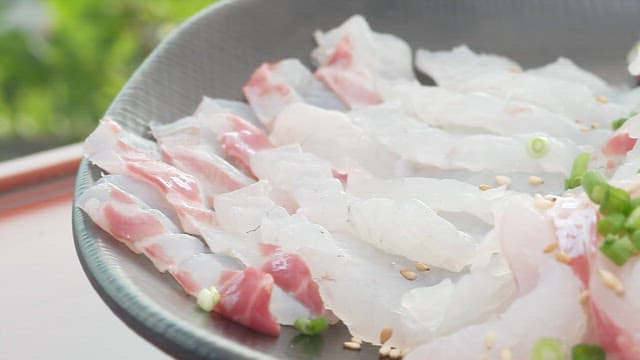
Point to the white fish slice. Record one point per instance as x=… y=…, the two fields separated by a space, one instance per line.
x=274 y=86
x=439 y=194
x=481 y=113
x=357 y=63
x=213 y=106
x=429 y=146
x=565 y=69
x=461 y=64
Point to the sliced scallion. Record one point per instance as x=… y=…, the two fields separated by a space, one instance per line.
x=587 y=352
x=618 y=249
x=579 y=168
x=548 y=349
x=611 y=224
x=615 y=200
x=538 y=146
x=633 y=221
x=311 y=326
x=594 y=184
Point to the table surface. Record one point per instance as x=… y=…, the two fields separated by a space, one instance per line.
x=48 y=308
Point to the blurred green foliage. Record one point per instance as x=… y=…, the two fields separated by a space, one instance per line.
x=57 y=81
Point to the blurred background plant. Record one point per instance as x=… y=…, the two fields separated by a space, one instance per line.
x=63 y=61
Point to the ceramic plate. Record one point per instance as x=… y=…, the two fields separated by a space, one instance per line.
x=215 y=52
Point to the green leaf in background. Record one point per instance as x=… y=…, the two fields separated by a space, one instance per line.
x=58 y=77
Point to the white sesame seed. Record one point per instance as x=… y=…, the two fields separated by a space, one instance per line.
x=503 y=180
x=351 y=345
x=505 y=354
x=384 y=350
x=583 y=297
x=422 y=267
x=562 y=257
x=484 y=357
x=535 y=180
x=611 y=281
x=385 y=335
x=484 y=187
x=395 y=354
x=541 y=203
x=409 y=274
x=515 y=69
x=551 y=247
x=356 y=340
x=490 y=339
x=602 y=99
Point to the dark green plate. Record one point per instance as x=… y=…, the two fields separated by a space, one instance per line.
x=215 y=52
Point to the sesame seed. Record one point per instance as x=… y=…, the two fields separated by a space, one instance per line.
x=505 y=354
x=484 y=357
x=585 y=128
x=356 y=340
x=484 y=187
x=385 y=335
x=568 y=194
x=395 y=354
x=542 y=204
x=602 y=99
x=583 y=297
x=551 y=247
x=420 y=266
x=515 y=69
x=611 y=281
x=503 y=180
x=594 y=126
x=490 y=339
x=409 y=274
x=535 y=180
x=384 y=350
x=562 y=257
x=351 y=345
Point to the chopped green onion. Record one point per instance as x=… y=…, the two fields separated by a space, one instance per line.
x=594 y=185
x=611 y=224
x=635 y=239
x=580 y=167
x=538 y=146
x=635 y=203
x=615 y=200
x=617 y=124
x=633 y=221
x=618 y=249
x=311 y=327
x=587 y=352
x=208 y=298
x=548 y=349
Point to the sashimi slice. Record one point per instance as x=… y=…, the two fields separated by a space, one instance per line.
x=461 y=64
x=354 y=61
x=211 y=106
x=274 y=86
x=332 y=136
x=478 y=112
x=122 y=215
x=434 y=147
x=439 y=194
x=106 y=147
x=168 y=250
x=565 y=69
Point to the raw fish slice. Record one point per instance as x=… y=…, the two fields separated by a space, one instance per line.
x=438 y=310
x=411 y=229
x=274 y=86
x=210 y=106
x=616 y=319
x=332 y=136
x=354 y=61
x=292 y=275
x=106 y=147
x=245 y=298
x=439 y=194
x=122 y=215
x=565 y=69
x=477 y=112
x=582 y=106
x=168 y=250
x=429 y=146
x=451 y=68
x=550 y=310
x=147 y=195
